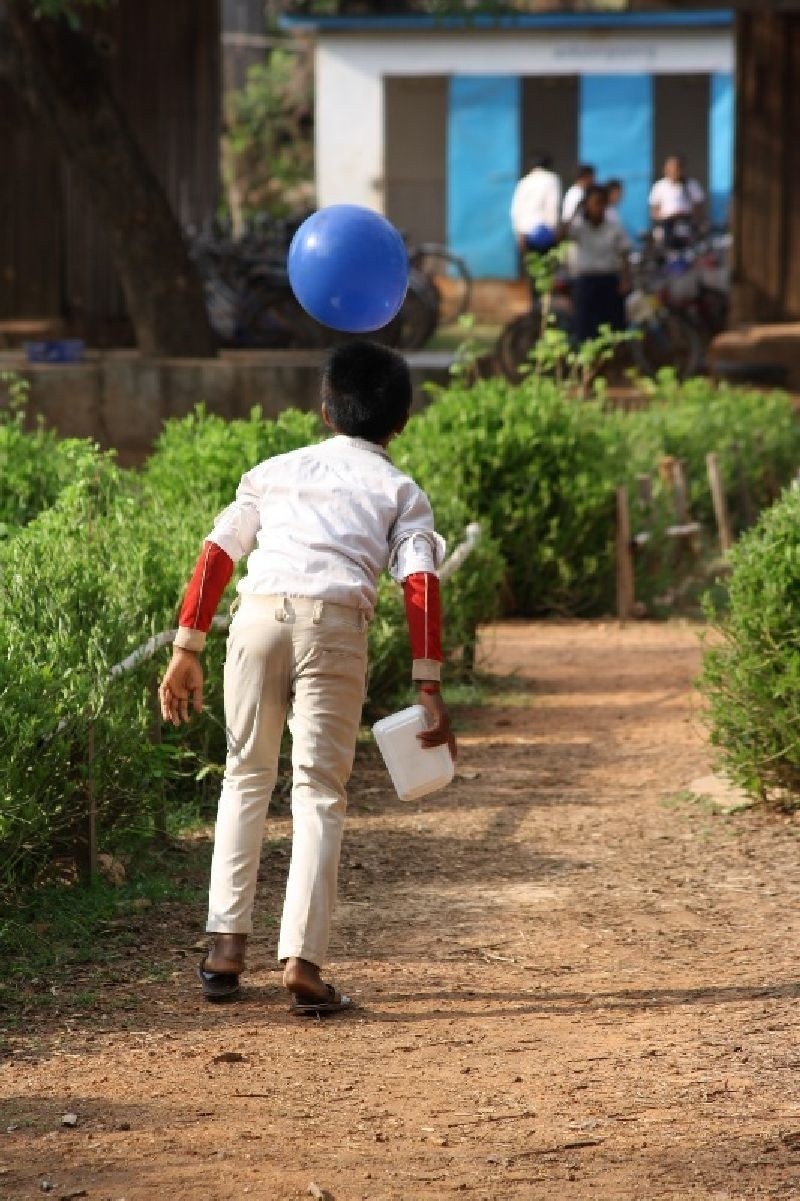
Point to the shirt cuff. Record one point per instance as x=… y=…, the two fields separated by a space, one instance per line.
x=190 y=640
x=227 y=540
x=426 y=669
x=421 y=551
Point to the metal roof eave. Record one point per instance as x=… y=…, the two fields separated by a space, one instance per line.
x=694 y=19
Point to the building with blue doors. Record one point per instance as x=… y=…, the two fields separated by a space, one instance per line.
x=433 y=121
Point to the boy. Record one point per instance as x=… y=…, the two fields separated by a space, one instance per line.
x=319 y=525
x=602 y=271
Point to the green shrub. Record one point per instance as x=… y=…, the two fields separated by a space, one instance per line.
x=538 y=469
x=755 y=434
x=198 y=461
x=752 y=676
x=104 y=557
x=62 y=624
x=34 y=464
x=541 y=470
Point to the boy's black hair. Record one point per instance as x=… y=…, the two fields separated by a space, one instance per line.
x=584 y=169
x=542 y=161
x=366 y=389
x=612 y=183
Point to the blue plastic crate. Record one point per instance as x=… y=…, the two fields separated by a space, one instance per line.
x=58 y=350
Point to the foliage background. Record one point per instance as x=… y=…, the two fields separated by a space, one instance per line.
x=267 y=145
x=95 y=559
x=751 y=677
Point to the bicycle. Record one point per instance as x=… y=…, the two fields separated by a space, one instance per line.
x=666 y=337
x=449 y=275
x=676 y=310
x=251 y=304
x=248 y=297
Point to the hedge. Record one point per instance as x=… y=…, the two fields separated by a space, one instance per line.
x=91 y=569
x=540 y=470
x=751 y=677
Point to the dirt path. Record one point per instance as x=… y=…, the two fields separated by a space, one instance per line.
x=574 y=983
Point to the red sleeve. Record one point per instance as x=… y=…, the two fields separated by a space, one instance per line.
x=212 y=572
x=424 y=615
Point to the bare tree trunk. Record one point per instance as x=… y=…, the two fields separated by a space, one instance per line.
x=60 y=73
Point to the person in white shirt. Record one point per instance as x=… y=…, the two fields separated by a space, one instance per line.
x=600 y=253
x=677 y=203
x=584 y=178
x=535 y=205
x=318 y=525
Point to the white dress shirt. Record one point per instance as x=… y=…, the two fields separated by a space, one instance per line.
x=572 y=200
x=536 y=201
x=324 y=522
x=674 y=198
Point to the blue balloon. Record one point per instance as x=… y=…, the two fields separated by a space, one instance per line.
x=541 y=238
x=348 y=267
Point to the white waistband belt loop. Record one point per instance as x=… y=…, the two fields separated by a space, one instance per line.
x=317 y=615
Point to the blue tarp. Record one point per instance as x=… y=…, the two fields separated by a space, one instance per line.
x=616 y=135
x=483 y=166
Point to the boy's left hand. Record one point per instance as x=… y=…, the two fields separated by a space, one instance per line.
x=439 y=731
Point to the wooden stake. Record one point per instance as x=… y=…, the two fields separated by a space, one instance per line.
x=644 y=485
x=666 y=465
x=720 y=503
x=745 y=496
x=626 y=588
x=681 y=492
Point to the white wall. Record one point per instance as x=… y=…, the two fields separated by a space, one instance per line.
x=350 y=71
x=348 y=130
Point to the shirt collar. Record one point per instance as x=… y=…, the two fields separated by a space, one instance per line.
x=362 y=444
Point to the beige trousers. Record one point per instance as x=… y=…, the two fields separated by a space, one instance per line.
x=310 y=656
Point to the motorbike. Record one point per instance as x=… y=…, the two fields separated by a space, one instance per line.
x=251 y=304
x=678 y=303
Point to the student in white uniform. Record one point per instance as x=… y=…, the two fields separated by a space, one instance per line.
x=677 y=203
x=536 y=202
x=584 y=178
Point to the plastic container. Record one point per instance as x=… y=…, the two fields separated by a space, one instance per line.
x=57 y=350
x=415 y=770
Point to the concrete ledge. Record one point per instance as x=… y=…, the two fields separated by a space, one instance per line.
x=121 y=399
x=760 y=345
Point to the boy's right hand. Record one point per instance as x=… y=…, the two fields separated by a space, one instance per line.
x=439 y=731
x=182 y=679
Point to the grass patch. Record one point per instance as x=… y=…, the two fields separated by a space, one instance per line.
x=703 y=803
x=62 y=945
